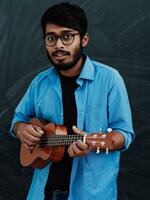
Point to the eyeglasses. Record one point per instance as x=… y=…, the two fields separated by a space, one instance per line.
x=66 y=39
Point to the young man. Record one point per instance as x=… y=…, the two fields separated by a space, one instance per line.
x=80 y=93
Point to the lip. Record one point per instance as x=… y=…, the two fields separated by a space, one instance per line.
x=60 y=54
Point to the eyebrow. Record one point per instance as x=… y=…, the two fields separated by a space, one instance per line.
x=62 y=32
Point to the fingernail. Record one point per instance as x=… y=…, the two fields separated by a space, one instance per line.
x=41 y=132
x=75 y=129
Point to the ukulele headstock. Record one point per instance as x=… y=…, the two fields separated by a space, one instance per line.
x=100 y=141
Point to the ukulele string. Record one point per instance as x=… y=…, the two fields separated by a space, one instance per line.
x=59 y=140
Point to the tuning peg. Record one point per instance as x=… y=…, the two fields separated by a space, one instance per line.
x=98 y=150
x=107 y=150
x=100 y=130
x=109 y=130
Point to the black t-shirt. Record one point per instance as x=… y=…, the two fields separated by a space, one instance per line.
x=59 y=175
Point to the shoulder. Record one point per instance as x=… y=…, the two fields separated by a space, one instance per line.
x=44 y=75
x=42 y=80
x=103 y=74
x=106 y=71
x=103 y=68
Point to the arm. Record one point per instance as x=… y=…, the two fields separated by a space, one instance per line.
x=113 y=141
x=28 y=134
x=119 y=119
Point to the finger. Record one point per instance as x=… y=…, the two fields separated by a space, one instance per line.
x=38 y=129
x=75 y=149
x=74 y=152
x=77 y=130
x=29 y=142
x=35 y=131
x=29 y=137
x=71 y=153
x=29 y=147
x=26 y=145
x=81 y=145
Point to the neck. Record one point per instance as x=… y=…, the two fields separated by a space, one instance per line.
x=75 y=70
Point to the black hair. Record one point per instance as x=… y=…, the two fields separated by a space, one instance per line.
x=66 y=15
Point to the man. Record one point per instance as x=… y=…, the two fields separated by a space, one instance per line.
x=80 y=93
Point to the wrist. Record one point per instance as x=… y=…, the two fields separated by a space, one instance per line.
x=18 y=128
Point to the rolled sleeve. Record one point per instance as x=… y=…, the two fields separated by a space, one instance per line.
x=120 y=118
x=25 y=109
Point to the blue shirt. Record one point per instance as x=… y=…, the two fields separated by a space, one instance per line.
x=102 y=103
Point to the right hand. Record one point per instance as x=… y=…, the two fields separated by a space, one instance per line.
x=29 y=134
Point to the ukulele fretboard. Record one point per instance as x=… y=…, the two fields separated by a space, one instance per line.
x=59 y=140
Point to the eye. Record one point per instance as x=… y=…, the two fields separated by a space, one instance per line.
x=50 y=38
x=67 y=37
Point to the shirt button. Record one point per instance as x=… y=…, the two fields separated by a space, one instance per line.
x=61 y=114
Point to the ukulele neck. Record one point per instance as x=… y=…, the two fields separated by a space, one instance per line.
x=60 y=140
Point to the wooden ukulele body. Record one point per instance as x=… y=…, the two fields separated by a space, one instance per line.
x=40 y=155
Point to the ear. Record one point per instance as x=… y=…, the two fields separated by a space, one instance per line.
x=85 y=40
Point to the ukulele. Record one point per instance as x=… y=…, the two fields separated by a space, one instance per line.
x=51 y=146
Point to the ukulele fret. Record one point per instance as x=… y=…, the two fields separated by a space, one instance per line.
x=59 y=140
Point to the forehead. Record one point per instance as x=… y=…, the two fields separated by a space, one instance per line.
x=53 y=28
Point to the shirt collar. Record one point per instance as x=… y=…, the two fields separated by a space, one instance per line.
x=87 y=71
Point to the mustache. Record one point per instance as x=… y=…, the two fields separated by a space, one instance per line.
x=60 y=51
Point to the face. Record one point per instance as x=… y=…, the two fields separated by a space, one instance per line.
x=62 y=54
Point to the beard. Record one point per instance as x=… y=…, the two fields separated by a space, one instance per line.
x=66 y=65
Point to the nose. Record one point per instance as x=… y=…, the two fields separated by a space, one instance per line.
x=59 y=44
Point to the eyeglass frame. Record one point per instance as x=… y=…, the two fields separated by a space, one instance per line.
x=61 y=38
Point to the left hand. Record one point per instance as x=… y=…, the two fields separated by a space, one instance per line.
x=78 y=148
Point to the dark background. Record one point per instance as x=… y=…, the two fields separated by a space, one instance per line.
x=120 y=36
